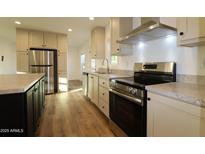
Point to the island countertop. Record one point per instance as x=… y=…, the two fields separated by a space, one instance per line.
x=18 y=83
x=186 y=92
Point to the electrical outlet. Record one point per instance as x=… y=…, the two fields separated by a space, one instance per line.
x=2 y=58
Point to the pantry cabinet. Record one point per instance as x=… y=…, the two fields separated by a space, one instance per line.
x=191 y=31
x=21 y=40
x=62 y=62
x=120 y=26
x=36 y=39
x=22 y=61
x=167 y=117
x=40 y=39
x=50 y=40
x=98 y=43
x=62 y=43
x=26 y=39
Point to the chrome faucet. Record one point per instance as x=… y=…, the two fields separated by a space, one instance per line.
x=108 y=69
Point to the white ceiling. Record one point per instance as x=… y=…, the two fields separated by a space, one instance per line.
x=81 y=26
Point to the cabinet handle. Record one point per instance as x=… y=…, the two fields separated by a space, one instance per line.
x=181 y=33
x=103 y=82
x=149 y=99
x=103 y=94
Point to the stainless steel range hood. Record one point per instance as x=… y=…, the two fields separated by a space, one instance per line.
x=150 y=30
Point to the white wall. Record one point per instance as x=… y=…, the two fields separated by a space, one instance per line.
x=189 y=60
x=74 y=64
x=7 y=48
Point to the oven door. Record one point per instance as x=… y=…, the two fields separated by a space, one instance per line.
x=128 y=113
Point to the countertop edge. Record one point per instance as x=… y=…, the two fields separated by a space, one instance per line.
x=33 y=82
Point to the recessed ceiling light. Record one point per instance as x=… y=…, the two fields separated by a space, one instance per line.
x=17 y=22
x=91 y=18
x=70 y=30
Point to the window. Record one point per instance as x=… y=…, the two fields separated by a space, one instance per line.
x=114 y=60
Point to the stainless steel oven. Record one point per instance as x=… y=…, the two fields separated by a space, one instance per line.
x=127 y=114
x=128 y=97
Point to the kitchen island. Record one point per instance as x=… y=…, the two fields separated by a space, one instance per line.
x=22 y=101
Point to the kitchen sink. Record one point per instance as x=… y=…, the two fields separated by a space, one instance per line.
x=102 y=73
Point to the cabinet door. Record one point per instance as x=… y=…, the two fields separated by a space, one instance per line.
x=98 y=42
x=114 y=34
x=30 y=113
x=37 y=104
x=21 y=40
x=169 y=117
x=62 y=43
x=90 y=86
x=22 y=62
x=50 y=40
x=62 y=62
x=119 y=27
x=36 y=39
x=93 y=44
x=191 y=28
x=95 y=90
x=42 y=94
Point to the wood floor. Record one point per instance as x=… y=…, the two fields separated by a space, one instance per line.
x=70 y=114
x=74 y=84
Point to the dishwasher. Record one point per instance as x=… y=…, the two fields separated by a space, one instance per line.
x=85 y=84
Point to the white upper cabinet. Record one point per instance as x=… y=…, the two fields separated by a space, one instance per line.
x=40 y=39
x=36 y=39
x=120 y=26
x=62 y=41
x=50 y=40
x=191 y=31
x=98 y=43
x=21 y=40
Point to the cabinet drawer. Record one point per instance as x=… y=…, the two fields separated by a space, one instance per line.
x=104 y=107
x=104 y=82
x=104 y=94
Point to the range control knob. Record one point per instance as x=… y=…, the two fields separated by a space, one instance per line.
x=134 y=91
x=130 y=89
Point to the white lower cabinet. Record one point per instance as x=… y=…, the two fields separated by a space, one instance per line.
x=104 y=95
x=169 y=117
x=104 y=100
x=93 y=88
x=98 y=92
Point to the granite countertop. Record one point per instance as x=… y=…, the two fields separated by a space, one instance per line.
x=109 y=76
x=18 y=83
x=186 y=92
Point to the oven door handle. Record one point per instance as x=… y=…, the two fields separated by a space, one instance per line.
x=132 y=99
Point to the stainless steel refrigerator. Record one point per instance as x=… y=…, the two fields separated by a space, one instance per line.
x=45 y=61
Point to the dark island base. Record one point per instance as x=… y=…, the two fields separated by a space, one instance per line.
x=20 y=112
